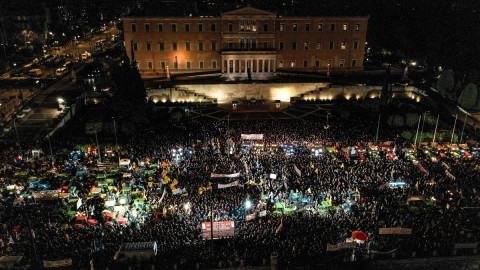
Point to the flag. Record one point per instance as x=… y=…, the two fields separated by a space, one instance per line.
x=209 y=213
x=11 y=240
x=316 y=170
x=164 y=210
x=342 y=166
x=33 y=234
x=185 y=195
x=311 y=165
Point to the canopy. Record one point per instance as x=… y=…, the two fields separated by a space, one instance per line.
x=359 y=235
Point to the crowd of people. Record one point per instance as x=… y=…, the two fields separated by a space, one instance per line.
x=358 y=190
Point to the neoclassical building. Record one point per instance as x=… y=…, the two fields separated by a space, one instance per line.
x=243 y=42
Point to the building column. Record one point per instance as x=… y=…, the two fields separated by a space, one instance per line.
x=274 y=65
x=223 y=64
x=245 y=67
x=258 y=64
x=269 y=65
x=234 y=65
x=251 y=65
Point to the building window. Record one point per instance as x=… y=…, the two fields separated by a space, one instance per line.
x=293 y=63
x=174 y=46
x=201 y=65
x=189 y=65
x=305 y=63
x=344 y=45
x=214 y=27
x=160 y=27
x=200 y=27
x=282 y=27
x=162 y=46
x=354 y=62
x=357 y=27
x=149 y=46
x=187 y=46
x=281 y=45
x=147 y=27
x=214 y=46
x=320 y=27
x=305 y=45
x=265 y=28
x=307 y=27
x=254 y=26
x=342 y=62
x=330 y=62
x=345 y=27
x=187 y=27
x=317 y=63
x=200 y=46
x=230 y=27
x=319 y=45
x=174 y=27
x=332 y=27
x=162 y=64
x=294 y=45
x=265 y=45
x=280 y=63
x=295 y=26
x=134 y=27
x=230 y=45
x=242 y=26
x=330 y=46
x=135 y=46
x=355 y=45
x=175 y=65
x=150 y=65
x=214 y=64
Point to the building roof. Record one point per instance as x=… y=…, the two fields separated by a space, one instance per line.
x=248 y=10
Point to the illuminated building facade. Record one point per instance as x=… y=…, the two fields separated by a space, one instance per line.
x=245 y=42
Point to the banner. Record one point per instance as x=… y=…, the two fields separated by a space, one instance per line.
x=163 y=195
x=232 y=184
x=59 y=263
x=449 y=175
x=394 y=231
x=262 y=213
x=46 y=194
x=339 y=246
x=224 y=175
x=466 y=245
x=79 y=203
x=250 y=217
x=297 y=170
x=252 y=136
x=220 y=229
x=179 y=191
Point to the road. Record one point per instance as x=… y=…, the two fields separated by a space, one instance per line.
x=87 y=45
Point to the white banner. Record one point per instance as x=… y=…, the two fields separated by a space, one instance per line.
x=59 y=263
x=297 y=170
x=224 y=175
x=179 y=191
x=79 y=203
x=252 y=136
x=466 y=245
x=163 y=195
x=394 y=231
x=232 y=184
x=46 y=194
x=339 y=246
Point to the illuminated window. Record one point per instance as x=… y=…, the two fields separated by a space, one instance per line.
x=293 y=63
x=280 y=63
x=305 y=45
x=344 y=45
x=345 y=27
x=295 y=27
x=320 y=27
x=242 y=25
x=330 y=62
x=319 y=45
x=357 y=27
x=282 y=27
x=342 y=62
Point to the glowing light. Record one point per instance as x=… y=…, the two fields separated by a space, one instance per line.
x=248 y=204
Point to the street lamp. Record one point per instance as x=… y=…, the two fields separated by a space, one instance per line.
x=328 y=70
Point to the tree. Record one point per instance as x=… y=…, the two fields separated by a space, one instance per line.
x=407 y=135
x=446 y=82
x=468 y=97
